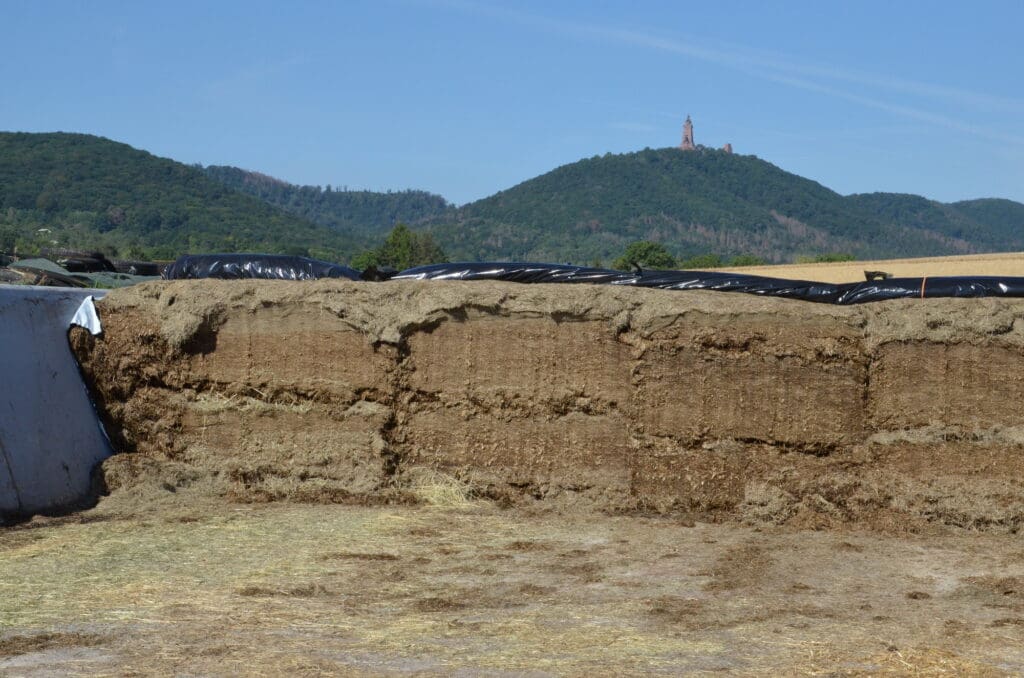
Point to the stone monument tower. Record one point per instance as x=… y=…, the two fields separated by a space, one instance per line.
x=687 y=144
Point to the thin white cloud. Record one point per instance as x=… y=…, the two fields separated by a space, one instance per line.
x=773 y=68
x=917 y=114
x=743 y=58
x=954 y=95
x=253 y=74
x=633 y=127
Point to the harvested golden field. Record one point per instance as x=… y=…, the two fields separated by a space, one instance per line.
x=1006 y=264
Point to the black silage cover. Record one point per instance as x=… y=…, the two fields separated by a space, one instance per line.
x=261 y=266
x=285 y=267
x=825 y=293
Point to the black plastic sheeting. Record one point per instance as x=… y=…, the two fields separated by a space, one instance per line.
x=263 y=266
x=284 y=267
x=517 y=272
x=826 y=293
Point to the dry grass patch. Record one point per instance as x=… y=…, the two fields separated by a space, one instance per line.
x=337 y=590
x=11 y=646
x=348 y=555
x=213 y=402
x=441 y=490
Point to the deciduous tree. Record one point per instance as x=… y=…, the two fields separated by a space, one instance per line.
x=645 y=254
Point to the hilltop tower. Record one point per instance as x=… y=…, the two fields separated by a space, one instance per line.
x=687 y=144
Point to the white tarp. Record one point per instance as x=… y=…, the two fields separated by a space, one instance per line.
x=50 y=438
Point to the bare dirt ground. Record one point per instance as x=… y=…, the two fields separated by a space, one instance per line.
x=1002 y=263
x=198 y=588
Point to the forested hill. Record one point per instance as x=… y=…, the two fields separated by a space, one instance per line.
x=711 y=201
x=367 y=213
x=80 y=191
x=76 y=190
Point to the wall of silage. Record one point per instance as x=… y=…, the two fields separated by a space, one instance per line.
x=897 y=413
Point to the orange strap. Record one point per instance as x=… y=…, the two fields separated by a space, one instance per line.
x=925 y=278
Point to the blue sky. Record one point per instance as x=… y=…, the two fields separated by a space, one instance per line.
x=466 y=97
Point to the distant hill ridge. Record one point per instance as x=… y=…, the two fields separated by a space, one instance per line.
x=713 y=201
x=78 y=190
x=366 y=213
x=88 y=191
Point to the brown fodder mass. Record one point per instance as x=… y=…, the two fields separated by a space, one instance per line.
x=900 y=415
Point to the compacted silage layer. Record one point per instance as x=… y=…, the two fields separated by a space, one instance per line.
x=893 y=415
